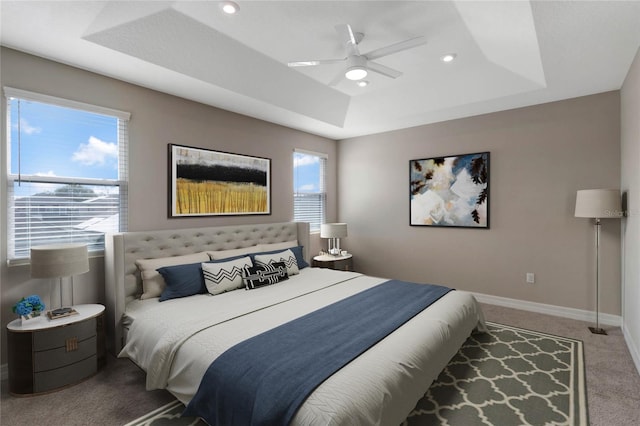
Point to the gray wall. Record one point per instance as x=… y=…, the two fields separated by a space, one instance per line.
x=540 y=156
x=156 y=120
x=630 y=124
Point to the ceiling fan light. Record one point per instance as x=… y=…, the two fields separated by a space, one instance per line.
x=229 y=7
x=356 y=73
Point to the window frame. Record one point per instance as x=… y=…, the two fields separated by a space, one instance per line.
x=12 y=176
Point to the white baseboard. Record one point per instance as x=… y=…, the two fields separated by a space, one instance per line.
x=542 y=308
x=4 y=372
x=634 y=349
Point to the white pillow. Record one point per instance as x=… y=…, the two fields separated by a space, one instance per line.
x=224 y=276
x=152 y=282
x=224 y=254
x=285 y=256
x=278 y=246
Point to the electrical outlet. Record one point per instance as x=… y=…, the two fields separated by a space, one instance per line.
x=531 y=277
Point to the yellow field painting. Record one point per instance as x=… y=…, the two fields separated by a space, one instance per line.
x=210 y=197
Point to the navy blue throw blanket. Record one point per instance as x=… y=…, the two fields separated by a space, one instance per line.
x=264 y=380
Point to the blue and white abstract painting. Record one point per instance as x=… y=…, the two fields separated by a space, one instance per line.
x=450 y=191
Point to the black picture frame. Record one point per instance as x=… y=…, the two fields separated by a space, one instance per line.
x=205 y=182
x=450 y=191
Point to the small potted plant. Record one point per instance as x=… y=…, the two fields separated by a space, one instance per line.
x=29 y=307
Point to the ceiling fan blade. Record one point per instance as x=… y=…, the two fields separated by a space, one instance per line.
x=397 y=47
x=382 y=69
x=313 y=63
x=348 y=38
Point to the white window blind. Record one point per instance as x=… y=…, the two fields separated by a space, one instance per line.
x=309 y=190
x=67 y=172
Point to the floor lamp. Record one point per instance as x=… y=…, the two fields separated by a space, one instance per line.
x=58 y=261
x=598 y=204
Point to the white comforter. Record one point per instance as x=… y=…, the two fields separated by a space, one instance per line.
x=175 y=342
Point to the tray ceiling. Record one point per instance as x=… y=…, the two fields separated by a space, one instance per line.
x=509 y=54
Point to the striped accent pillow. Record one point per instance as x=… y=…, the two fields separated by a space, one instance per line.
x=224 y=276
x=262 y=275
x=285 y=256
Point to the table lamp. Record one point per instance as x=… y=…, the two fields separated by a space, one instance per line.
x=59 y=261
x=333 y=231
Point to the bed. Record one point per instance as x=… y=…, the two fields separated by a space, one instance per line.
x=380 y=386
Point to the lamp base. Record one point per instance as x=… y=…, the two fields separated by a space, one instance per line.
x=596 y=330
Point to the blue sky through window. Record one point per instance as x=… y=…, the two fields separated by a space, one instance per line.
x=62 y=142
x=306 y=173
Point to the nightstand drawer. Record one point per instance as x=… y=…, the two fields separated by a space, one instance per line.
x=59 y=357
x=52 y=379
x=55 y=338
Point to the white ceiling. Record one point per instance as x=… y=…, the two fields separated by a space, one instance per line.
x=509 y=54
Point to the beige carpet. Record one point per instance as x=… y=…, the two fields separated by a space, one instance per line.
x=116 y=395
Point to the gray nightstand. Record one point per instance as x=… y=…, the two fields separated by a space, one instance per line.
x=340 y=263
x=46 y=355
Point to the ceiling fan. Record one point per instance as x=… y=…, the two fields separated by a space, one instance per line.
x=357 y=64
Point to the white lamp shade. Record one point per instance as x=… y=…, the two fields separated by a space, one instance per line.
x=59 y=260
x=599 y=203
x=333 y=230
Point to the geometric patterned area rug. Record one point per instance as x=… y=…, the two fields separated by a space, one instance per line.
x=509 y=376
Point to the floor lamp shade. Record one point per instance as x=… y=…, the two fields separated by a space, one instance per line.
x=59 y=260
x=599 y=203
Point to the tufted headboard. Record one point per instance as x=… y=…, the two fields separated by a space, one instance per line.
x=122 y=279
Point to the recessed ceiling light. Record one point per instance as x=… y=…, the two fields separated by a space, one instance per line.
x=229 y=7
x=448 y=57
x=363 y=83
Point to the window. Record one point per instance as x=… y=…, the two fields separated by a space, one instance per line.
x=67 y=172
x=309 y=193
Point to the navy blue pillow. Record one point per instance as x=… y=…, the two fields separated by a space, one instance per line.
x=297 y=252
x=182 y=281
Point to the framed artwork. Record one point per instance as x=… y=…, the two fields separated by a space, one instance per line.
x=203 y=182
x=450 y=191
